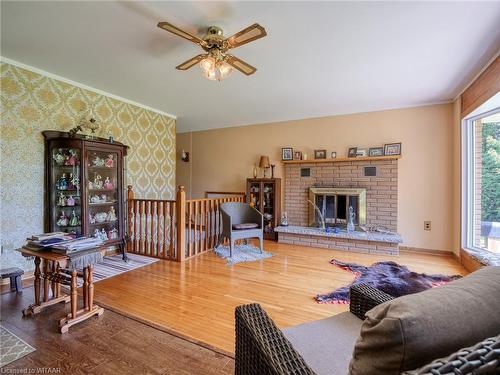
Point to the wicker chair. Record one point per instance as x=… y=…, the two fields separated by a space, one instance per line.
x=241 y=221
x=262 y=348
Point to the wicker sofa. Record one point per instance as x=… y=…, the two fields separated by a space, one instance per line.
x=262 y=348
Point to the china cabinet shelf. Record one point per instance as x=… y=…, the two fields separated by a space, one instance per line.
x=96 y=162
x=103 y=223
x=261 y=192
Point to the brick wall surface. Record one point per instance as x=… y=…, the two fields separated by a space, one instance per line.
x=381 y=190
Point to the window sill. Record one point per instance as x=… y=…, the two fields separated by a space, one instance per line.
x=484 y=257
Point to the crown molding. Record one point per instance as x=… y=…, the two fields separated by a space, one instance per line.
x=82 y=86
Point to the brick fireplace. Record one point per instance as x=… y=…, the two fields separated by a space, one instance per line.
x=375 y=180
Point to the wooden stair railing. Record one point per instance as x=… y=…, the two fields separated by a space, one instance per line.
x=174 y=229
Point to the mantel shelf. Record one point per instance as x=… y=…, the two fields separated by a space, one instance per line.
x=340 y=160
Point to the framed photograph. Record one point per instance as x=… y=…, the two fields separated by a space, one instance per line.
x=333 y=155
x=319 y=154
x=361 y=152
x=376 y=151
x=352 y=152
x=297 y=155
x=287 y=153
x=392 y=149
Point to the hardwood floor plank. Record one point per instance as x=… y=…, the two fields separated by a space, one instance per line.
x=197 y=297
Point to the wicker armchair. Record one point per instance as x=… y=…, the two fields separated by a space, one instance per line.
x=262 y=348
x=237 y=221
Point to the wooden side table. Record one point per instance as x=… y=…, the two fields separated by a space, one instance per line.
x=54 y=274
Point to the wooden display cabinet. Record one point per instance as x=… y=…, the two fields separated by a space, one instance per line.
x=84 y=187
x=265 y=195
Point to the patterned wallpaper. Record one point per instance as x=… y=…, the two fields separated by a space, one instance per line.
x=31 y=103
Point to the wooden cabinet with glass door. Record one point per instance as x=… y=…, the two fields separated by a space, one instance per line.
x=84 y=186
x=265 y=195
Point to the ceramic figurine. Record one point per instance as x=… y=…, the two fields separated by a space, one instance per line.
x=62 y=183
x=73 y=221
x=70 y=201
x=59 y=158
x=97 y=234
x=112 y=214
x=71 y=158
x=284 y=219
x=98 y=162
x=350 y=220
x=104 y=235
x=97 y=182
x=91 y=219
x=95 y=199
x=108 y=184
x=109 y=162
x=62 y=200
x=113 y=234
x=63 y=220
x=101 y=217
x=104 y=198
x=91 y=185
x=71 y=184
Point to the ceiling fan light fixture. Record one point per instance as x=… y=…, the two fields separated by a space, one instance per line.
x=215 y=71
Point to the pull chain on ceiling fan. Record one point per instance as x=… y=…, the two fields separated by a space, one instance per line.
x=217 y=63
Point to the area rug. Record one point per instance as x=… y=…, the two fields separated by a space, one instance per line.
x=12 y=347
x=114 y=265
x=389 y=277
x=241 y=253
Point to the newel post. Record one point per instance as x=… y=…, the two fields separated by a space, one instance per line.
x=130 y=210
x=180 y=206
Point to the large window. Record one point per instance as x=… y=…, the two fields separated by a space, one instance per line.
x=481 y=193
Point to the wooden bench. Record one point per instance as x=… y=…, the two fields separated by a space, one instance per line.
x=15 y=278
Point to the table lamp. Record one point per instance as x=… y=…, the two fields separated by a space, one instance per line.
x=264 y=164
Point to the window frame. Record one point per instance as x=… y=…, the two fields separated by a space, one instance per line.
x=468 y=170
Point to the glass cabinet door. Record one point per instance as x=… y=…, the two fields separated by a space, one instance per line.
x=268 y=208
x=254 y=198
x=102 y=194
x=65 y=197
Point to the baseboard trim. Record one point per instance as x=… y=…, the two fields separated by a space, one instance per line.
x=419 y=250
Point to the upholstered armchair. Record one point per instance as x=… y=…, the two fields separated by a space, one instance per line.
x=241 y=221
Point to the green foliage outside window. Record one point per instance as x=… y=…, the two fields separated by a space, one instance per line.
x=490 y=189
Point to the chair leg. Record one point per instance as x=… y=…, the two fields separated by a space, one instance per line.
x=19 y=286
x=231 y=246
x=261 y=244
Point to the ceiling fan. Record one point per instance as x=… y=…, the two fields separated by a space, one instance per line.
x=217 y=63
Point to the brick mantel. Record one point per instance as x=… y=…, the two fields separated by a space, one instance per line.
x=381 y=190
x=381 y=199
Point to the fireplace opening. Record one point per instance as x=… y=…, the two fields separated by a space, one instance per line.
x=334 y=203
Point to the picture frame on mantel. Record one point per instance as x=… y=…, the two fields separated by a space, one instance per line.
x=352 y=152
x=286 y=153
x=297 y=155
x=376 y=151
x=319 y=154
x=392 y=149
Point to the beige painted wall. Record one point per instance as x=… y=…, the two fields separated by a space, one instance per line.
x=222 y=159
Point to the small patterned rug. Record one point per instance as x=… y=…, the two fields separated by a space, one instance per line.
x=241 y=253
x=12 y=347
x=114 y=265
x=389 y=277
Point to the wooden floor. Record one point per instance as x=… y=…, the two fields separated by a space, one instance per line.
x=197 y=298
x=109 y=344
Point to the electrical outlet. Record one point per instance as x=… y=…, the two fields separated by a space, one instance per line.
x=427 y=225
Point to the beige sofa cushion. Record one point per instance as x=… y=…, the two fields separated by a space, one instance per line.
x=326 y=345
x=412 y=330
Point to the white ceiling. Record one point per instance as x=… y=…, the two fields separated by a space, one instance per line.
x=319 y=58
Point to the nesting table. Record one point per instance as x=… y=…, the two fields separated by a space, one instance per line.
x=51 y=269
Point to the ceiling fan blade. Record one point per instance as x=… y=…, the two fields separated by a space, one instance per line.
x=240 y=65
x=183 y=34
x=191 y=62
x=245 y=36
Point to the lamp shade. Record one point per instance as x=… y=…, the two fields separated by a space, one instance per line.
x=264 y=162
